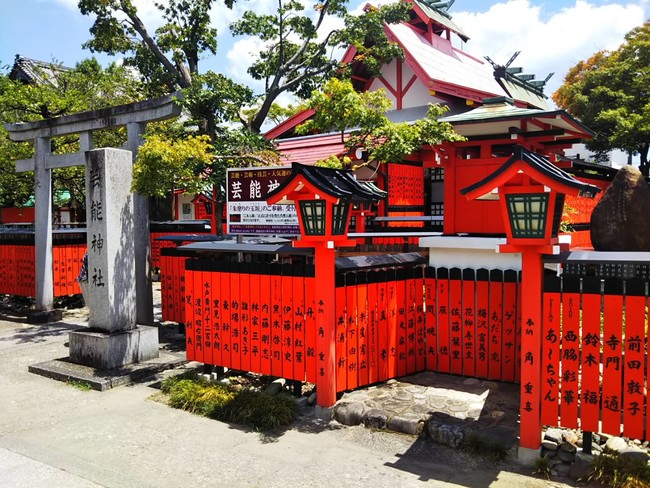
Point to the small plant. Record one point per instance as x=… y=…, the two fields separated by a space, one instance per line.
x=543 y=467
x=258 y=410
x=79 y=385
x=619 y=472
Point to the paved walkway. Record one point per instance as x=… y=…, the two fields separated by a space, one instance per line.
x=54 y=435
x=445 y=408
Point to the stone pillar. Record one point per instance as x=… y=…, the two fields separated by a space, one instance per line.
x=114 y=339
x=43 y=236
x=141 y=236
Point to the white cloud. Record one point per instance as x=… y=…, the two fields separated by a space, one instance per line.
x=548 y=43
x=240 y=57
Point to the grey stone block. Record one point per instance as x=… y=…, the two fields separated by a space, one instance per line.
x=376 y=419
x=554 y=435
x=44 y=316
x=350 y=413
x=567 y=457
x=615 y=444
x=582 y=466
x=549 y=445
x=634 y=453
x=276 y=386
x=568 y=447
x=406 y=423
x=109 y=351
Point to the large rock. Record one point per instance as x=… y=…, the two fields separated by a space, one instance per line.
x=619 y=221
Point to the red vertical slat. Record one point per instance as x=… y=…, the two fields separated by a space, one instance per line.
x=633 y=377
x=482 y=322
x=570 y=343
x=391 y=314
x=591 y=350
x=551 y=332
x=444 y=321
x=217 y=313
x=208 y=331
x=299 y=324
x=190 y=337
x=383 y=347
x=469 y=322
x=199 y=330
x=431 y=318
x=496 y=324
x=164 y=287
x=245 y=317
x=455 y=320
x=352 y=331
x=411 y=321
x=255 y=308
x=265 y=320
x=310 y=325
x=287 y=322
x=612 y=356
x=362 y=321
x=509 y=357
x=402 y=307
x=226 y=323
x=235 y=316
x=276 y=320
x=420 y=322
x=341 y=333
x=373 y=328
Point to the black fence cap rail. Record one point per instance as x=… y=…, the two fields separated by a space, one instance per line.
x=623 y=257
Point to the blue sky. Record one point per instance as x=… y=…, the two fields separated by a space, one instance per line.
x=552 y=35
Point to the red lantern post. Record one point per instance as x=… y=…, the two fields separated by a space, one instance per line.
x=323 y=198
x=531 y=191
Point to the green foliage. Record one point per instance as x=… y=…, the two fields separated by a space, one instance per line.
x=619 y=472
x=543 y=467
x=61 y=91
x=296 y=58
x=608 y=92
x=261 y=411
x=79 y=385
x=258 y=410
x=339 y=108
x=163 y=164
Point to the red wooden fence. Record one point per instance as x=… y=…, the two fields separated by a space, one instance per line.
x=389 y=322
x=471 y=323
x=253 y=317
x=595 y=355
x=17 y=264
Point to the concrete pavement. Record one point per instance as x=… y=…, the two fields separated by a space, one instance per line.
x=52 y=434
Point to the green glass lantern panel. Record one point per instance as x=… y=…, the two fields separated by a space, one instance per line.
x=313 y=217
x=340 y=218
x=528 y=214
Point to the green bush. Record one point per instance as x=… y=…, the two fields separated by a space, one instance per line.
x=619 y=472
x=258 y=410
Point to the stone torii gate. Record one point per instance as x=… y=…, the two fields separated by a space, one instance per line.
x=134 y=117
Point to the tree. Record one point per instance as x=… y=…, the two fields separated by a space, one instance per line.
x=297 y=56
x=87 y=87
x=360 y=119
x=609 y=93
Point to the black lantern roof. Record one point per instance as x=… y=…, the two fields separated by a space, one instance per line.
x=337 y=183
x=541 y=165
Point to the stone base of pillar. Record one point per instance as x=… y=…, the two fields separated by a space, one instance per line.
x=108 y=351
x=324 y=413
x=527 y=456
x=44 y=316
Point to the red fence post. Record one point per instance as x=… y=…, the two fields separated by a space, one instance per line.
x=531 y=343
x=325 y=324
